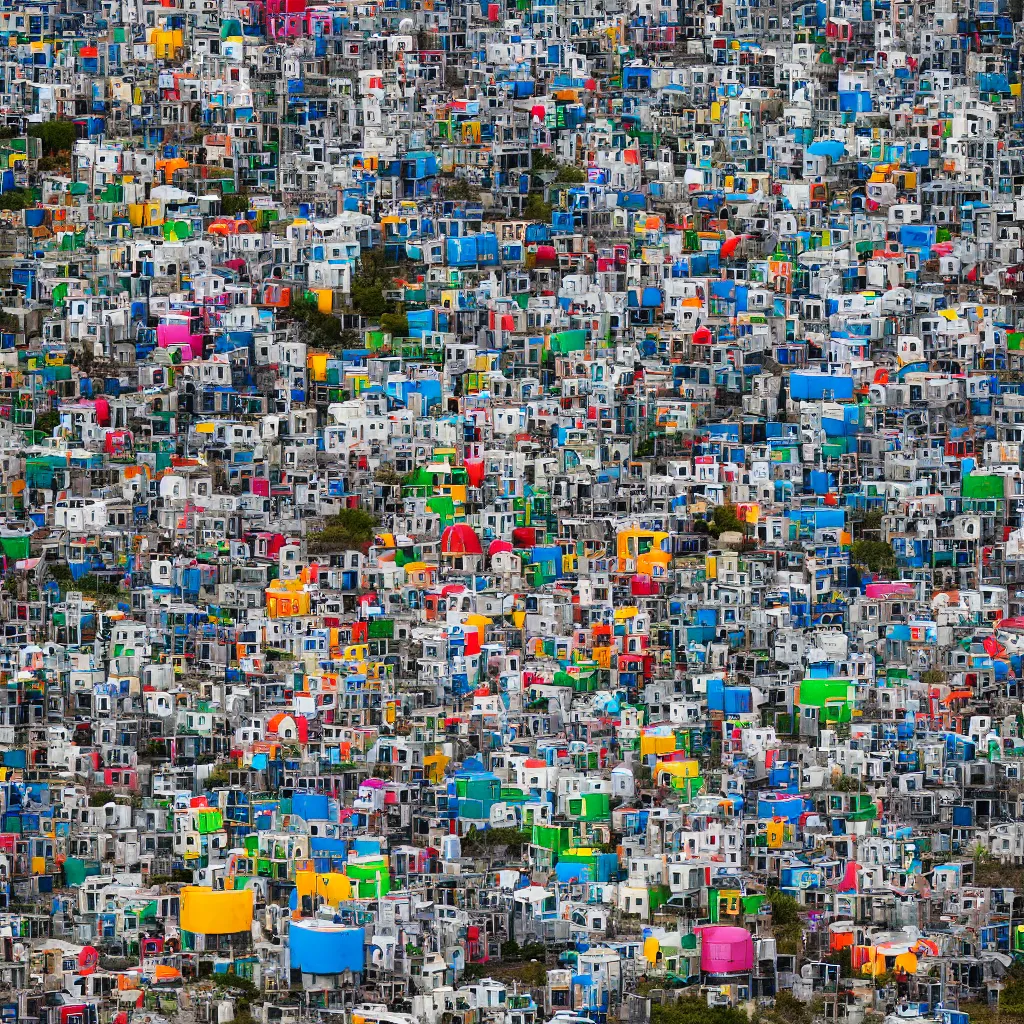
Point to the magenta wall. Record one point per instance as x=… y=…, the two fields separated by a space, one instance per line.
x=724 y=949
x=177 y=334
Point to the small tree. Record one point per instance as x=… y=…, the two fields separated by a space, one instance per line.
x=460 y=190
x=786 y=922
x=537 y=209
x=396 y=324
x=571 y=175
x=17 y=199
x=370 y=282
x=234 y=203
x=352 y=529
x=47 y=422
x=219 y=777
x=875 y=554
x=323 y=329
x=56 y=136
x=725 y=520
x=846 y=784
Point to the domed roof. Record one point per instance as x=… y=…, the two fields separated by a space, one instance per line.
x=460 y=539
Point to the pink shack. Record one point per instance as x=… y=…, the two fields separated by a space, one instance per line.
x=184 y=332
x=725 y=949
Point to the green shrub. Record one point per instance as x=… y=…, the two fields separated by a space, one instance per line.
x=696 y=1011
x=785 y=908
x=219 y=777
x=322 y=330
x=234 y=203
x=369 y=282
x=543 y=162
x=875 y=554
x=571 y=175
x=460 y=190
x=56 y=136
x=514 y=838
x=352 y=529
x=396 y=324
x=537 y=209
x=47 y=421
x=238 y=984
x=725 y=520
x=17 y=199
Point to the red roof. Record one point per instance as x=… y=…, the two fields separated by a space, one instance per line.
x=730 y=245
x=460 y=539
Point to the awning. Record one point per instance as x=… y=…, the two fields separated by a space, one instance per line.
x=958 y=695
x=827 y=147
